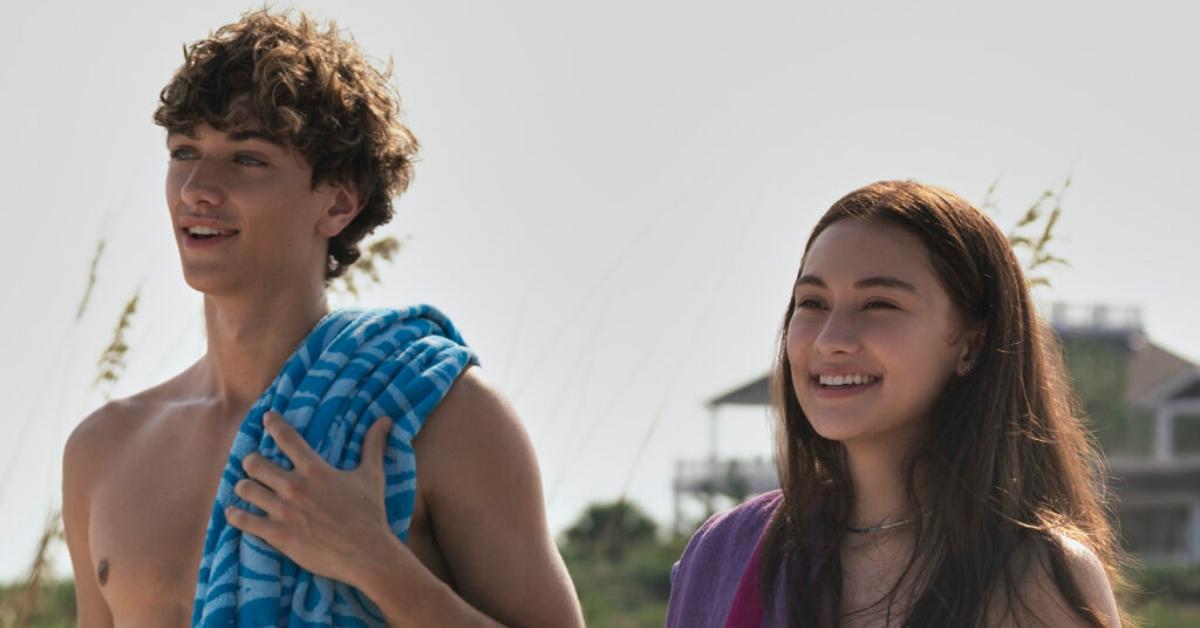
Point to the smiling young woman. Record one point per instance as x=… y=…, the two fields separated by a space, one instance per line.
x=933 y=467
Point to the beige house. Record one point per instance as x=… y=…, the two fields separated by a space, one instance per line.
x=1144 y=405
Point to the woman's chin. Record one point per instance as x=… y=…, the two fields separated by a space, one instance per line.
x=876 y=432
x=840 y=431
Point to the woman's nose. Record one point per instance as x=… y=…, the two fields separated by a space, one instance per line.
x=838 y=334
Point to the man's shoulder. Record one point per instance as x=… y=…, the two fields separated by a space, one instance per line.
x=473 y=427
x=472 y=393
x=109 y=421
x=95 y=441
x=112 y=423
x=471 y=407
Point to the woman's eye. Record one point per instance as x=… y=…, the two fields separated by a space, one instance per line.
x=816 y=304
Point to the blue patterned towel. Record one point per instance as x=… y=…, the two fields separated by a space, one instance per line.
x=353 y=367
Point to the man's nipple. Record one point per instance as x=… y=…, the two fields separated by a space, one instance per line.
x=102 y=571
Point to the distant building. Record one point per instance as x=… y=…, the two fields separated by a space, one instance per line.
x=1143 y=402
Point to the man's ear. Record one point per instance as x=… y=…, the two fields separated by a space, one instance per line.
x=343 y=208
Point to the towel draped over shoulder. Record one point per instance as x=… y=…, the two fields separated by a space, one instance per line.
x=354 y=367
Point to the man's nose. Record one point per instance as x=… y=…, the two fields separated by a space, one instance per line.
x=203 y=184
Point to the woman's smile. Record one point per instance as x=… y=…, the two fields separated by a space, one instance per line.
x=842 y=386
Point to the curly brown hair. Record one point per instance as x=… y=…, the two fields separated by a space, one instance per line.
x=312 y=87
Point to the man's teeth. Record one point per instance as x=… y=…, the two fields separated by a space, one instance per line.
x=846 y=380
x=204 y=231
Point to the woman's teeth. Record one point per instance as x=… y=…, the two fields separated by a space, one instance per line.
x=846 y=380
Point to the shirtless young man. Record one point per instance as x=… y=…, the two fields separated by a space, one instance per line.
x=141 y=474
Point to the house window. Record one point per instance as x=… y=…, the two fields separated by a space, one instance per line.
x=1132 y=433
x=1187 y=434
x=1155 y=530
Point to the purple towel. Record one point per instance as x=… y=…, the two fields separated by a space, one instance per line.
x=719 y=568
x=746 y=610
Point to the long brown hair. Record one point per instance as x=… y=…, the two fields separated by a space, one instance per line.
x=1007 y=468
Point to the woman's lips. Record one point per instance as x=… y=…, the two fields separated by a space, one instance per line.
x=841 y=392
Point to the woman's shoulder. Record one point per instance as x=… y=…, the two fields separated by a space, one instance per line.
x=1037 y=582
x=705 y=579
x=747 y=518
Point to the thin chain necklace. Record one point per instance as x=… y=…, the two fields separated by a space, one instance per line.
x=883 y=526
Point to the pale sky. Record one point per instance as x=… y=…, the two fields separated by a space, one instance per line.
x=612 y=197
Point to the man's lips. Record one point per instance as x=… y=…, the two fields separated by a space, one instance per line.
x=192 y=240
x=205 y=231
x=205 y=223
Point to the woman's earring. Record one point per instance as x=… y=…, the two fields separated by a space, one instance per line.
x=967 y=366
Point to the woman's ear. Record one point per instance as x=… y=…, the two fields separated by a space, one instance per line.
x=344 y=206
x=972 y=347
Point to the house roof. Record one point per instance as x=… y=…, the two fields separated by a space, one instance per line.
x=756 y=392
x=1191 y=391
x=1151 y=367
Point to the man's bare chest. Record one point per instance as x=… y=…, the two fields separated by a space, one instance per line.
x=149 y=509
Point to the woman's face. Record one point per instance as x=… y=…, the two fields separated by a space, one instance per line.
x=873 y=337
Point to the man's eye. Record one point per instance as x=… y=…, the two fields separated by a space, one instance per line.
x=182 y=153
x=247 y=160
x=875 y=305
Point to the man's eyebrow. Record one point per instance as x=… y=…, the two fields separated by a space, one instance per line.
x=188 y=133
x=236 y=136
x=878 y=281
x=255 y=134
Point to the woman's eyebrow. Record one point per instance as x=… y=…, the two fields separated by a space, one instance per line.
x=878 y=281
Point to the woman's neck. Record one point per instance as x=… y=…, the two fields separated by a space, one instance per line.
x=879 y=473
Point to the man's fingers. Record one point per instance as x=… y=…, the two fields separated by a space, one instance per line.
x=289 y=440
x=375 y=443
x=259 y=495
x=250 y=523
x=268 y=473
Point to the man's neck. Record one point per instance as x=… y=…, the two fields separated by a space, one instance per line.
x=249 y=338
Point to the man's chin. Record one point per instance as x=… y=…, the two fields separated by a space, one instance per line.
x=211 y=283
